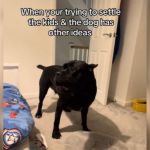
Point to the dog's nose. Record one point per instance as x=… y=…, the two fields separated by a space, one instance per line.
x=58 y=73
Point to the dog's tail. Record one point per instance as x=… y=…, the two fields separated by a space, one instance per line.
x=41 y=67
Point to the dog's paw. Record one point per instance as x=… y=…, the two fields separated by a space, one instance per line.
x=56 y=134
x=86 y=129
x=38 y=115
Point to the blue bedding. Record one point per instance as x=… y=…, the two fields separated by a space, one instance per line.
x=17 y=118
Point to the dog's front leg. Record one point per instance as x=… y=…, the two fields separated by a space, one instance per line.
x=42 y=93
x=84 y=113
x=56 y=133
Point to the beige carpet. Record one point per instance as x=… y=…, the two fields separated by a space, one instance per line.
x=113 y=128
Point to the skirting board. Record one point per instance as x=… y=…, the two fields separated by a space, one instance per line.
x=124 y=103
x=36 y=95
x=121 y=102
x=30 y=95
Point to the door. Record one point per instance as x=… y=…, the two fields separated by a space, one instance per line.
x=102 y=47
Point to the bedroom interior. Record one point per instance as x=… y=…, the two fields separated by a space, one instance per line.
x=17 y=52
x=27 y=49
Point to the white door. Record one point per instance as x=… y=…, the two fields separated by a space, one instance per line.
x=102 y=47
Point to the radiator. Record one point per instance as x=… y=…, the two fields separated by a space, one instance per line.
x=79 y=53
x=88 y=3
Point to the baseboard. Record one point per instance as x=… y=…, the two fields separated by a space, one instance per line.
x=30 y=95
x=33 y=95
x=121 y=102
x=36 y=95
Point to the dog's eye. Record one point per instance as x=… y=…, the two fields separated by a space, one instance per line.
x=64 y=70
x=78 y=72
x=90 y=69
x=65 y=66
x=75 y=73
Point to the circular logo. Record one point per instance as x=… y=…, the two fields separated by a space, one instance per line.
x=11 y=136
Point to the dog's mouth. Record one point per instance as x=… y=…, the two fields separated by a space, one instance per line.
x=62 y=89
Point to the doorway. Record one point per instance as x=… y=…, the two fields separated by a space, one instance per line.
x=89 y=48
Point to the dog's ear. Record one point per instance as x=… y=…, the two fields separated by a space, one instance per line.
x=92 y=66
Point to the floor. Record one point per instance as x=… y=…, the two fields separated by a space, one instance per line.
x=113 y=127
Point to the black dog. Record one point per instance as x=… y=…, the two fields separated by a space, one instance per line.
x=75 y=84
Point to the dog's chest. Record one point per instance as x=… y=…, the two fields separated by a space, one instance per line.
x=74 y=104
x=79 y=100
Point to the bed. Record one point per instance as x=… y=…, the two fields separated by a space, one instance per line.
x=17 y=118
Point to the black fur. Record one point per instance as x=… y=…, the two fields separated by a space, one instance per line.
x=75 y=84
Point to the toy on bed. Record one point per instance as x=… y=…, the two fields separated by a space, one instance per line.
x=17 y=118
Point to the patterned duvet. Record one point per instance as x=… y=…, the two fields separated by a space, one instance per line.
x=17 y=118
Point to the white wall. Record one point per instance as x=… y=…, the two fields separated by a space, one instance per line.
x=1 y=59
x=1 y=46
x=148 y=77
x=137 y=82
x=27 y=46
x=125 y=68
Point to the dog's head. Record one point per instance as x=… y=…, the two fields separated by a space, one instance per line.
x=75 y=72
